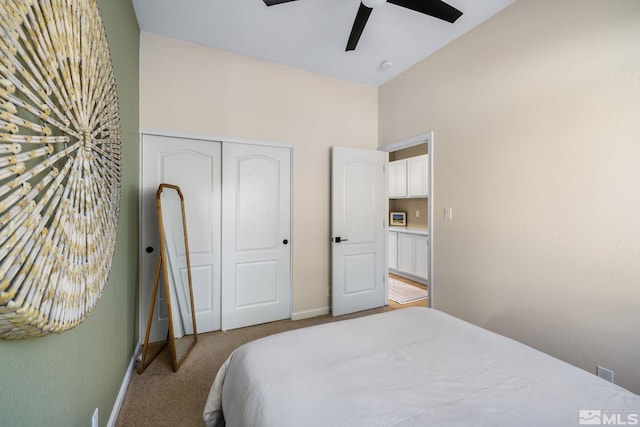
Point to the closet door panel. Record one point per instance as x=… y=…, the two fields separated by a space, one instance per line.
x=256 y=218
x=195 y=166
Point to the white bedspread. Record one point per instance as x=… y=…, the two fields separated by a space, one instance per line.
x=409 y=367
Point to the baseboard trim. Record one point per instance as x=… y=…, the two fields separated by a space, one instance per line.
x=123 y=388
x=310 y=313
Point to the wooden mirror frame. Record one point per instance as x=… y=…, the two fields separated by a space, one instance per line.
x=164 y=267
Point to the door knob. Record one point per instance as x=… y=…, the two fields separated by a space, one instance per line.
x=149 y=249
x=285 y=241
x=340 y=239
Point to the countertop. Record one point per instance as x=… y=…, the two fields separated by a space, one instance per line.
x=411 y=230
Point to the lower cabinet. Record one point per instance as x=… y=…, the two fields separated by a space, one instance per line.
x=409 y=253
x=393 y=250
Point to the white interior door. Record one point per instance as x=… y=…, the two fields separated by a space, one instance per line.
x=194 y=166
x=358 y=228
x=256 y=234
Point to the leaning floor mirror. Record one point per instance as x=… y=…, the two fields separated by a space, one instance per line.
x=174 y=270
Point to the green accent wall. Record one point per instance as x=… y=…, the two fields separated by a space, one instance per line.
x=59 y=380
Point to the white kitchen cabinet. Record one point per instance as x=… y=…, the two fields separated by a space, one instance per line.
x=409 y=252
x=393 y=250
x=418 y=176
x=421 y=256
x=397 y=179
x=406 y=252
x=409 y=177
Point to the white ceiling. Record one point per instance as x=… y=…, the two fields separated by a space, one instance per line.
x=312 y=34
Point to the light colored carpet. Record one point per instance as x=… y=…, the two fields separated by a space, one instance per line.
x=403 y=293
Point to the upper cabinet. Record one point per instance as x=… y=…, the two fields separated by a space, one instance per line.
x=409 y=177
x=397 y=176
x=418 y=176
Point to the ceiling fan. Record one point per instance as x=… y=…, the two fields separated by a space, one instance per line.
x=436 y=8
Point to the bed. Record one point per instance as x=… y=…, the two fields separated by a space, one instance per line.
x=410 y=367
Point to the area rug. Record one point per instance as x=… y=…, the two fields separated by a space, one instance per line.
x=404 y=293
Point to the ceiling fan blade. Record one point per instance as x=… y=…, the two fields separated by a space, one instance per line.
x=436 y=8
x=274 y=2
x=358 y=26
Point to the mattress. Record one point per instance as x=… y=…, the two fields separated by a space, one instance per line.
x=410 y=367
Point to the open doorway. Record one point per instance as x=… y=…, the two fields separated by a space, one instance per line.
x=409 y=240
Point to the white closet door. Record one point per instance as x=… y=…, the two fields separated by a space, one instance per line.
x=194 y=166
x=256 y=234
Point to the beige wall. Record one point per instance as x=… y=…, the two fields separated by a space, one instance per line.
x=536 y=120
x=190 y=88
x=410 y=206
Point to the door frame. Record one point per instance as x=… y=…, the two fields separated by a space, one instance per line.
x=410 y=142
x=142 y=317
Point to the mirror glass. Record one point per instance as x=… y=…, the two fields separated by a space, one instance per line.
x=174 y=270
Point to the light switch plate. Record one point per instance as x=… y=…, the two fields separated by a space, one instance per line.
x=448 y=214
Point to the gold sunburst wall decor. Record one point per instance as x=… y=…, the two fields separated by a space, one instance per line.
x=60 y=167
